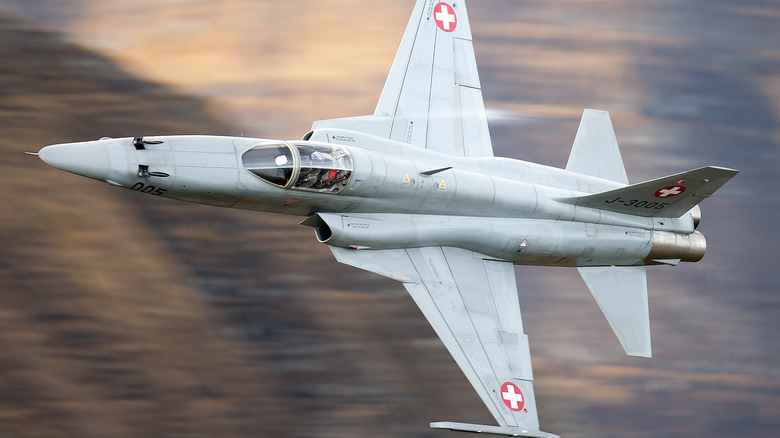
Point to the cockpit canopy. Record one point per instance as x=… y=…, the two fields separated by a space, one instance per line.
x=273 y=163
x=301 y=165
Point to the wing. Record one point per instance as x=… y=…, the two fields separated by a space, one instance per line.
x=471 y=302
x=432 y=97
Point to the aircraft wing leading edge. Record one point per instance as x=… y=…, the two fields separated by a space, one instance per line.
x=432 y=97
x=471 y=302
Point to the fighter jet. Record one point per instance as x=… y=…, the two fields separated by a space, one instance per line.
x=414 y=193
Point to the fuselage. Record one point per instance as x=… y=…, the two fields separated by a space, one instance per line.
x=369 y=192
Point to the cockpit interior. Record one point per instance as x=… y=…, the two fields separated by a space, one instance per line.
x=301 y=165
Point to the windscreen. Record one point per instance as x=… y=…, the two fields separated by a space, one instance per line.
x=273 y=163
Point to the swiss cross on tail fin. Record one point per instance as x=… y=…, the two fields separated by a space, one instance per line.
x=670 y=196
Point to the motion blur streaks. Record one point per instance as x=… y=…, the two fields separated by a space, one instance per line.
x=124 y=315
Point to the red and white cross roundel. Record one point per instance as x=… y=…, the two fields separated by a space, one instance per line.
x=668 y=192
x=445 y=17
x=512 y=397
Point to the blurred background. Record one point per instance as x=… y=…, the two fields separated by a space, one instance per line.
x=125 y=315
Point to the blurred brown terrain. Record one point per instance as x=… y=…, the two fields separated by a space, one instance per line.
x=125 y=317
x=123 y=314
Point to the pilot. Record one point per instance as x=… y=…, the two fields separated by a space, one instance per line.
x=308 y=178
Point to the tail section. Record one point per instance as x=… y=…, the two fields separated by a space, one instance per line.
x=621 y=292
x=670 y=196
x=596 y=153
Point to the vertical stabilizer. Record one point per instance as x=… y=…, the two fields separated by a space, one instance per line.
x=621 y=293
x=595 y=151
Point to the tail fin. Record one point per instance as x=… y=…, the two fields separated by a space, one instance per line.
x=670 y=196
x=595 y=151
x=621 y=293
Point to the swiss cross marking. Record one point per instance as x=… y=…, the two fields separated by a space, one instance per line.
x=668 y=192
x=512 y=397
x=445 y=17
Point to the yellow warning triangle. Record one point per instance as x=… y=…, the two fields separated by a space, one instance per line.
x=406 y=178
x=442 y=185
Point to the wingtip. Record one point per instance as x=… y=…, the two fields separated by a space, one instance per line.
x=724 y=169
x=646 y=354
x=492 y=430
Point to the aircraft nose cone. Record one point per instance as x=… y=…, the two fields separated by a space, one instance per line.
x=90 y=159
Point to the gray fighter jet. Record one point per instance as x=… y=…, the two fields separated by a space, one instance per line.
x=414 y=193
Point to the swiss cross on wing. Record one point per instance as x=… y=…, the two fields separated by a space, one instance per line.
x=512 y=396
x=445 y=17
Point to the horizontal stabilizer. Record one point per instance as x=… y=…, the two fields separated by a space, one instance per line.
x=621 y=293
x=492 y=430
x=670 y=196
